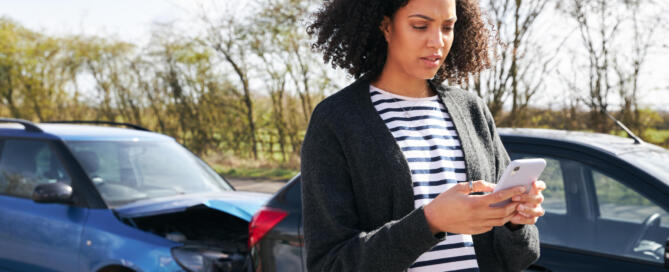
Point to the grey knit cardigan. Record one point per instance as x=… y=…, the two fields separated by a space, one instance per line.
x=357 y=193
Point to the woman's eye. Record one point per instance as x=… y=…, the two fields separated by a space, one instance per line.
x=448 y=28
x=419 y=27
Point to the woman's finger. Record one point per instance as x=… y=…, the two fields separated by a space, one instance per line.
x=537 y=198
x=488 y=212
x=502 y=195
x=499 y=221
x=538 y=186
x=530 y=211
x=521 y=219
x=481 y=186
x=476 y=186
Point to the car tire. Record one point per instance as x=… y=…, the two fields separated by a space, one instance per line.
x=115 y=268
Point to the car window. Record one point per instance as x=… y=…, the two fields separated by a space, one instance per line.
x=24 y=164
x=628 y=218
x=618 y=202
x=128 y=171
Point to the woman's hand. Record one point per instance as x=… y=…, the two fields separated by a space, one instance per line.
x=529 y=205
x=455 y=211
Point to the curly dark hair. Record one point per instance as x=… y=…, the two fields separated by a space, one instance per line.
x=348 y=35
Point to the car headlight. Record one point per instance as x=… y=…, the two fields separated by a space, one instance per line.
x=198 y=259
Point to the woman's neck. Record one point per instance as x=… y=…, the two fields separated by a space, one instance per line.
x=402 y=84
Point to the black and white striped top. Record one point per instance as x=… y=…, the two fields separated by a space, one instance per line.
x=425 y=133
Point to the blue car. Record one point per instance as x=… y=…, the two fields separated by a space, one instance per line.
x=79 y=197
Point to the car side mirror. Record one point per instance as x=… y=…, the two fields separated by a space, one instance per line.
x=53 y=193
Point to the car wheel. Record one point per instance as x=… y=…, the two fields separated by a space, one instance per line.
x=115 y=268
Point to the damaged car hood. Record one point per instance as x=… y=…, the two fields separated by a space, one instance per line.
x=237 y=203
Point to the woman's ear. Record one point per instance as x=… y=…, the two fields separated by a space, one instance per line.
x=385 y=28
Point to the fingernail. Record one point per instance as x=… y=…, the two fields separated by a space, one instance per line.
x=522 y=208
x=521 y=190
x=516 y=198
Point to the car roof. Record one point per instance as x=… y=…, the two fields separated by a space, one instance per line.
x=611 y=144
x=624 y=149
x=72 y=132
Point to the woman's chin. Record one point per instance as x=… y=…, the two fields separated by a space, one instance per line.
x=426 y=75
x=425 y=72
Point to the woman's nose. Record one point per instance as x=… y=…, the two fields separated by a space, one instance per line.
x=436 y=39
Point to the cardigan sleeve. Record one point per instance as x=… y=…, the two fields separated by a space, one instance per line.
x=516 y=249
x=333 y=238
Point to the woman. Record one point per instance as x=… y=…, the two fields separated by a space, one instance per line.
x=386 y=160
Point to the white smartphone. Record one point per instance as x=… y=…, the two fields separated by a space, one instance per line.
x=519 y=173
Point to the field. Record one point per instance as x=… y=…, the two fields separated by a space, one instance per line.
x=272 y=167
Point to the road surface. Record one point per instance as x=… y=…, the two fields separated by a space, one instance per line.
x=254 y=185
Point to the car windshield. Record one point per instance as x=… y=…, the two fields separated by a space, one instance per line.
x=655 y=161
x=127 y=171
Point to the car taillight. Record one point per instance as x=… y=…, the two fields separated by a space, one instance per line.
x=263 y=221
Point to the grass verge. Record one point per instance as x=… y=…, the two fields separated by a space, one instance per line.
x=256 y=173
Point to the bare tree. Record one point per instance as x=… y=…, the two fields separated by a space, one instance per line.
x=616 y=41
x=521 y=64
x=229 y=37
x=285 y=21
x=628 y=66
x=598 y=26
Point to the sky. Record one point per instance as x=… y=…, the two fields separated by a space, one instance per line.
x=125 y=18
x=132 y=21
x=128 y=20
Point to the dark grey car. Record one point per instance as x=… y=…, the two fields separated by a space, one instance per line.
x=606 y=205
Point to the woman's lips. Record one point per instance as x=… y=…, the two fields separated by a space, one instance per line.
x=430 y=62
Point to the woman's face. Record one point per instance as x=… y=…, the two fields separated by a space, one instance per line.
x=419 y=37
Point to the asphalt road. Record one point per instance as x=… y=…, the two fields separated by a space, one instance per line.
x=255 y=185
